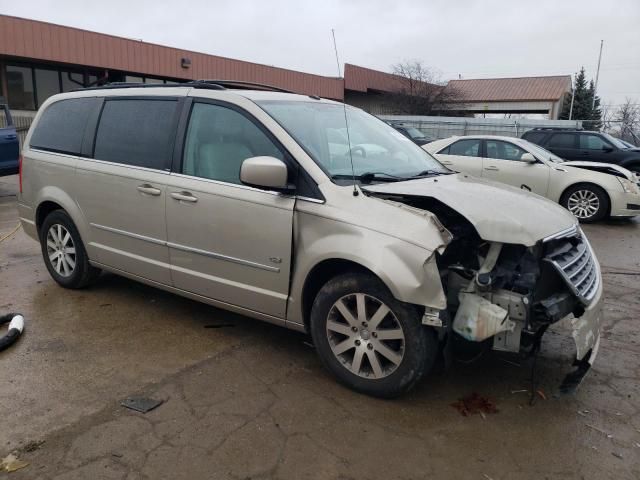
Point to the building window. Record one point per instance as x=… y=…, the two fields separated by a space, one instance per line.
x=72 y=81
x=20 y=93
x=47 y=84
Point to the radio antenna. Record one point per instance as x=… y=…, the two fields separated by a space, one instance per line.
x=346 y=121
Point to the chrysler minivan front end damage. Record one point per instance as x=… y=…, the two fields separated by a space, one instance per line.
x=509 y=293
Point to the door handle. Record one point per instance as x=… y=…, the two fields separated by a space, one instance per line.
x=184 y=197
x=492 y=168
x=147 y=189
x=446 y=163
x=11 y=137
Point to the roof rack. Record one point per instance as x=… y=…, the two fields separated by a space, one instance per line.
x=207 y=84
x=238 y=84
x=557 y=128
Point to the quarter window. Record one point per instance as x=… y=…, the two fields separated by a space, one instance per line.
x=137 y=132
x=464 y=148
x=219 y=139
x=503 y=150
x=593 y=142
x=562 y=140
x=61 y=125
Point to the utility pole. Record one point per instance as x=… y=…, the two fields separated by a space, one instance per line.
x=595 y=88
x=573 y=96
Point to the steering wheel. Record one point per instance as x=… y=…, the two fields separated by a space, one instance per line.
x=359 y=150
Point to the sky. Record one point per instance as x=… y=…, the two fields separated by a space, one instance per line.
x=474 y=39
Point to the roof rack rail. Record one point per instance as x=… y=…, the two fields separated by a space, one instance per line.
x=208 y=84
x=558 y=128
x=191 y=84
x=239 y=84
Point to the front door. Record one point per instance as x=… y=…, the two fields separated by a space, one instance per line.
x=503 y=163
x=227 y=241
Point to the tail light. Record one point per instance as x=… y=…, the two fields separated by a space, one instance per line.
x=20 y=172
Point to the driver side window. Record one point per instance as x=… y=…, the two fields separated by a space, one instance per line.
x=503 y=150
x=593 y=142
x=219 y=139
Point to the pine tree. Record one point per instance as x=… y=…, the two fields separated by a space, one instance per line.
x=582 y=104
x=596 y=111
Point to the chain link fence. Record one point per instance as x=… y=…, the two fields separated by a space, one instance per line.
x=444 y=127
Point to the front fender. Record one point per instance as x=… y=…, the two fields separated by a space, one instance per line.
x=408 y=270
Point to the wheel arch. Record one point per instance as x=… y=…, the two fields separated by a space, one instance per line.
x=53 y=198
x=576 y=184
x=320 y=274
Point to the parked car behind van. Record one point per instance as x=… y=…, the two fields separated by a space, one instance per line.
x=243 y=199
x=589 y=190
x=587 y=146
x=9 y=143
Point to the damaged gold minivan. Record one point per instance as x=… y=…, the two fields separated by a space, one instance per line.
x=301 y=212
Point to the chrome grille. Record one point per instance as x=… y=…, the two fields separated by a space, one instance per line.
x=575 y=263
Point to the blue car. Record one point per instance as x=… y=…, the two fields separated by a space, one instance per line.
x=9 y=144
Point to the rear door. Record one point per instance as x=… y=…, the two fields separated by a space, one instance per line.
x=122 y=189
x=463 y=156
x=564 y=145
x=227 y=241
x=9 y=146
x=503 y=163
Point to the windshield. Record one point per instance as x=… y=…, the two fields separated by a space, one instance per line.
x=379 y=152
x=615 y=141
x=538 y=151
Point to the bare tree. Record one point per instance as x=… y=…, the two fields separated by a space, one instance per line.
x=627 y=118
x=420 y=91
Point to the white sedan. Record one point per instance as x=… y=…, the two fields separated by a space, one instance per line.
x=589 y=190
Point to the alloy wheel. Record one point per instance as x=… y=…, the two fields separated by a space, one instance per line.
x=365 y=336
x=583 y=203
x=61 y=250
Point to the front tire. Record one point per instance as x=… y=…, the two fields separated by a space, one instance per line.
x=370 y=341
x=64 y=253
x=588 y=203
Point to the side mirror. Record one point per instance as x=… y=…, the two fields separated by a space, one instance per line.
x=607 y=148
x=264 y=172
x=528 y=158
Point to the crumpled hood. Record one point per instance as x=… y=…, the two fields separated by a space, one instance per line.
x=499 y=213
x=600 y=167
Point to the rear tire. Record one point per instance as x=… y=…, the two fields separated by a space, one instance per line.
x=64 y=253
x=589 y=203
x=370 y=341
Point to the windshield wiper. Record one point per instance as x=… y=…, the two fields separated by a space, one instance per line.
x=428 y=173
x=369 y=177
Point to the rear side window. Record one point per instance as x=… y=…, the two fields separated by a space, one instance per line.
x=464 y=148
x=562 y=140
x=534 y=137
x=137 y=132
x=61 y=125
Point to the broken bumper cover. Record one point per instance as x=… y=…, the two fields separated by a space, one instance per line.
x=586 y=334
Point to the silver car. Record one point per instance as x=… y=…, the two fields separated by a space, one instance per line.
x=307 y=214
